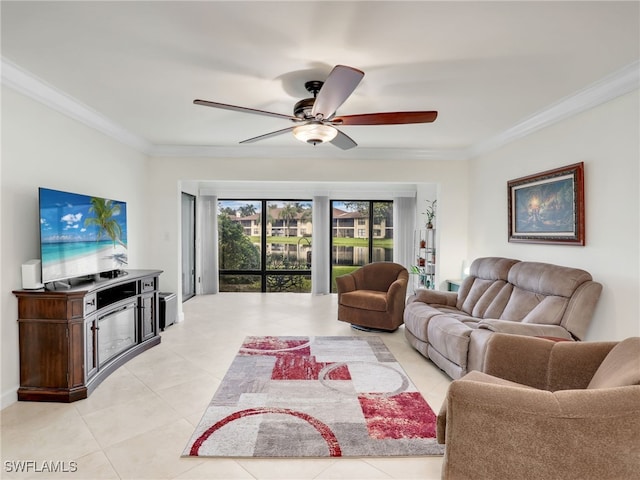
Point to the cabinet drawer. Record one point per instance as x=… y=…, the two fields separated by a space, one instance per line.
x=148 y=285
x=90 y=304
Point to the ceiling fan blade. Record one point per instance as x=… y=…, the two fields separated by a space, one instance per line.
x=343 y=141
x=235 y=108
x=340 y=83
x=268 y=135
x=388 y=118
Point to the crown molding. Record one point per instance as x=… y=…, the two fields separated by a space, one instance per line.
x=619 y=83
x=24 y=82
x=612 y=86
x=304 y=151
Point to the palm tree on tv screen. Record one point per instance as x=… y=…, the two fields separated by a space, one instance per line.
x=104 y=212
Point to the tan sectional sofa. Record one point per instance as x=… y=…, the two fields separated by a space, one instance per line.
x=499 y=295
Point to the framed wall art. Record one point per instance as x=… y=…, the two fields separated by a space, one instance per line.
x=548 y=207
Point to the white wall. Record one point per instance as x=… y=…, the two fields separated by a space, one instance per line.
x=607 y=140
x=41 y=147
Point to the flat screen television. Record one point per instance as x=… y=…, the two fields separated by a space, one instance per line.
x=81 y=235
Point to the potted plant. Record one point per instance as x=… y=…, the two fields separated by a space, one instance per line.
x=430 y=212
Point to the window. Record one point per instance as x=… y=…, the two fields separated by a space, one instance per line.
x=362 y=232
x=264 y=246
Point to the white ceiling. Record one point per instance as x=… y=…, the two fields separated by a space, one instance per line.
x=489 y=68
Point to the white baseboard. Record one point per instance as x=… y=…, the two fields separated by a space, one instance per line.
x=9 y=397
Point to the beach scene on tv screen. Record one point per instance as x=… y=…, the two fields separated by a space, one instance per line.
x=81 y=235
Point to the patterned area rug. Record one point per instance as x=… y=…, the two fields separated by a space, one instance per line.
x=315 y=397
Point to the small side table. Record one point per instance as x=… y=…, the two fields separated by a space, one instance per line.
x=453 y=285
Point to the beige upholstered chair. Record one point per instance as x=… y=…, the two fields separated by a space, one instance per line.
x=545 y=409
x=373 y=296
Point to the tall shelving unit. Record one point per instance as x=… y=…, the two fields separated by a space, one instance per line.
x=424 y=269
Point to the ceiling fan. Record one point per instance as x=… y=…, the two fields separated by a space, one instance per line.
x=315 y=119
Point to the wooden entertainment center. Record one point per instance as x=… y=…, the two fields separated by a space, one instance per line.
x=72 y=339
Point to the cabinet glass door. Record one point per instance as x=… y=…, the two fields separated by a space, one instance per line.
x=117 y=332
x=147 y=316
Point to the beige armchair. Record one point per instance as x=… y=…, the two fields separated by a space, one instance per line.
x=373 y=297
x=545 y=409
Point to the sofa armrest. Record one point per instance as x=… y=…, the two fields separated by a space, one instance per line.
x=396 y=296
x=488 y=423
x=580 y=310
x=542 y=363
x=573 y=364
x=529 y=329
x=397 y=286
x=345 y=283
x=519 y=359
x=434 y=297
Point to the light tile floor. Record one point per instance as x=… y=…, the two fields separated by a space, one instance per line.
x=137 y=422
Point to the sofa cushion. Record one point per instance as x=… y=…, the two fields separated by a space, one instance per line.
x=487 y=277
x=547 y=279
x=450 y=338
x=492 y=268
x=365 y=299
x=549 y=311
x=532 y=307
x=522 y=328
x=417 y=316
x=621 y=366
x=520 y=303
x=499 y=302
x=478 y=296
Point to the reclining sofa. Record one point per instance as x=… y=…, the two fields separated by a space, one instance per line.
x=499 y=295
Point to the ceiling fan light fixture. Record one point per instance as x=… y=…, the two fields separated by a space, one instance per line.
x=315 y=132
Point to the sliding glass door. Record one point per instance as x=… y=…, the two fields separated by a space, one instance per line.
x=265 y=245
x=361 y=233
